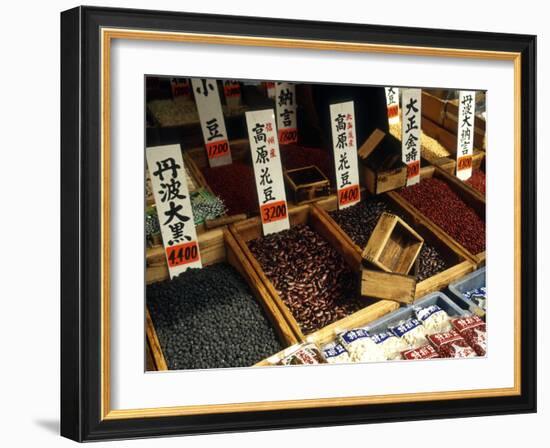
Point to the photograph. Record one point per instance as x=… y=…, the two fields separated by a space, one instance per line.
x=302 y=223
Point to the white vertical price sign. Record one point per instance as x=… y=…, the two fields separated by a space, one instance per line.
x=465 y=134
x=342 y=118
x=411 y=118
x=210 y=110
x=285 y=106
x=392 y=103
x=177 y=225
x=268 y=171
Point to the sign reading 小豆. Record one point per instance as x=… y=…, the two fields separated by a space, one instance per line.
x=165 y=164
x=465 y=134
x=411 y=105
x=232 y=93
x=342 y=117
x=180 y=88
x=392 y=103
x=268 y=172
x=285 y=102
x=212 y=122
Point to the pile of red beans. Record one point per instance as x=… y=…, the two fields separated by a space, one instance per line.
x=477 y=181
x=435 y=199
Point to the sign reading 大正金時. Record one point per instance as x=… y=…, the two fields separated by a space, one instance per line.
x=268 y=171
x=411 y=106
x=342 y=117
x=210 y=110
x=175 y=215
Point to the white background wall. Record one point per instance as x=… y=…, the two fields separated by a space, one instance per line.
x=29 y=284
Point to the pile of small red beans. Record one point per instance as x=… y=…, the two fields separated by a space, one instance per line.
x=435 y=199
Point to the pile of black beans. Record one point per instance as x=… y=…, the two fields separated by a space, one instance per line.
x=359 y=221
x=207 y=318
x=310 y=276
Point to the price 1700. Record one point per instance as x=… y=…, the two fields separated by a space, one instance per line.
x=217 y=149
x=182 y=254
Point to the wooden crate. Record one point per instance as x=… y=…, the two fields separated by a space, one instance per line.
x=216 y=246
x=476 y=201
x=387 y=285
x=393 y=245
x=459 y=263
x=306 y=184
x=250 y=229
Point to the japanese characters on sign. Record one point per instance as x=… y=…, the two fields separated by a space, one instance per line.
x=165 y=164
x=180 y=88
x=268 y=172
x=392 y=103
x=465 y=134
x=232 y=93
x=212 y=123
x=285 y=107
x=342 y=117
x=411 y=105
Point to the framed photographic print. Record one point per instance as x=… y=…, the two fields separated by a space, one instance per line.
x=275 y=224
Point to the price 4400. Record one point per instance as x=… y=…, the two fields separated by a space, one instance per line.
x=182 y=254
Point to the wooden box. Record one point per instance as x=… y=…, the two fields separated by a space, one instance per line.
x=476 y=201
x=459 y=264
x=216 y=246
x=380 y=166
x=306 y=184
x=389 y=286
x=251 y=229
x=393 y=245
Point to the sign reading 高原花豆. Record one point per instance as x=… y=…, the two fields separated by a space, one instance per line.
x=411 y=106
x=175 y=215
x=465 y=134
x=342 y=118
x=392 y=103
x=268 y=172
x=210 y=110
x=285 y=106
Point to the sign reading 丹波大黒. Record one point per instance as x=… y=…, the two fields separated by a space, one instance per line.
x=342 y=118
x=285 y=107
x=465 y=134
x=232 y=93
x=268 y=172
x=210 y=110
x=177 y=225
x=411 y=106
x=392 y=103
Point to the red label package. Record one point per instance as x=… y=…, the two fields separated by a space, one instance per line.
x=473 y=330
x=451 y=345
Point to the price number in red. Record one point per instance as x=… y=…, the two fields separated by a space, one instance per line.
x=288 y=136
x=274 y=211
x=348 y=195
x=413 y=169
x=217 y=149
x=464 y=163
x=393 y=111
x=182 y=254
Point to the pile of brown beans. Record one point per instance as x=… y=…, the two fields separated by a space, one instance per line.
x=444 y=207
x=310 y=276
x=360 y=220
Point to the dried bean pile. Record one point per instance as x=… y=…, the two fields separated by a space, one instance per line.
x=360 y=220
x=207 y=318
x=477 y=181
x=294 y=156
x=312 y=279
x=235 y=185
x=443 y=206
